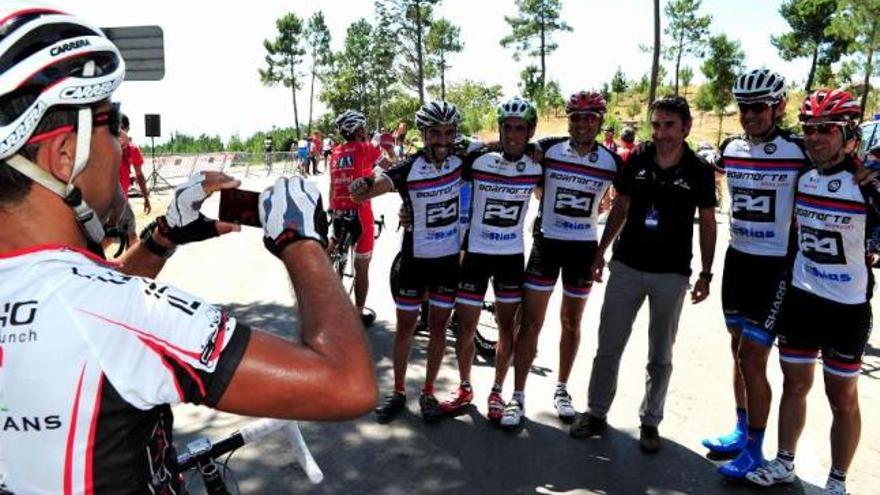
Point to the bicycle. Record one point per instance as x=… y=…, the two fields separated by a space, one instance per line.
x=346 y=226
x=202 y=455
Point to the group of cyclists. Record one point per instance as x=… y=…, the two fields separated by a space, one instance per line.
x=802 y=213
x=110 y=349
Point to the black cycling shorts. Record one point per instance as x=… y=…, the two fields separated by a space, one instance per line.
x=412 y=278
x=572 y=258
x=505 y=270
x=752 y=290
x=811 y=323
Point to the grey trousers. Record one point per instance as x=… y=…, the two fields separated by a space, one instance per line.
x=626 y=291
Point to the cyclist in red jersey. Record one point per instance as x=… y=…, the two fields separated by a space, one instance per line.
x=353 y=159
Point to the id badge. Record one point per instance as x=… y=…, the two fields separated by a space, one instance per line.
x=652 y=218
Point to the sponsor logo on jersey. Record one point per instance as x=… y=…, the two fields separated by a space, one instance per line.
x=822 y=246
x=502 y=213
x=834 y=185
x=757 y=176
x=830 y=276
x=24 y=129
x=442 y=213
x=769 y=148
x=753 y=205
x=30 y=423
x=642 y=174
x=682 y=184
x=520 y=166
x=90 y=91
x=573 y=203
x=345 y=161
x=18 y=314
x=594 y=157
x=68 y=46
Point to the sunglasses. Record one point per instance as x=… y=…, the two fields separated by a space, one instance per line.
x=583 y=117
x=111 y=118
x=824 y=128
x=759 y=107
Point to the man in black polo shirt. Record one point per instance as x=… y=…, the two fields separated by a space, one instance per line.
x=659 y=189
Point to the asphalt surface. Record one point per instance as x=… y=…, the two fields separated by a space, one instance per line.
x=467 y=454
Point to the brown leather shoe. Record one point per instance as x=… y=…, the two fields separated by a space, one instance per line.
x=586 y=426
x=649 y=439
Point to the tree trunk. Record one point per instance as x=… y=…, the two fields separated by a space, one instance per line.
x=720 y=122
x=311 y=100
x=869 y=67
x=812 y=74
x=419 y=55
x=655 y=66
x=678 y=62
x=442 y=76
x=543 y=48
x=293 y=96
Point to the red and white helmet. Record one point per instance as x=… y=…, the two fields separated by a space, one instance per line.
x=830 y=104
x=586 y=101
x=49 y=58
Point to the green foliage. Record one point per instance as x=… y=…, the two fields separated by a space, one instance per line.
x=618 y=81
x=810 y=36
x=686 y=74
x=532 y=31
x=859 y=22
x=410 y=22
x=476 y=101
x=283 y=57
x=687 y=32
x=444 y=38
x=721 y=68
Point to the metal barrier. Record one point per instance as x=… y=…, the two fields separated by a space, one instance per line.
x=177 y=168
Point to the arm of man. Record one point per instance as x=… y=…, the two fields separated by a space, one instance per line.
x=613 y=225
x=708 y=235
x=137 y=159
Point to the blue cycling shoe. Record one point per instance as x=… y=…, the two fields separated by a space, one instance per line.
x=747 y=461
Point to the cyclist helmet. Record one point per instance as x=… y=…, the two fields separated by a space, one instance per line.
x=586 y=101
x=350 y=121
x=758 y=86
x=49 y=59
x=437 y=113
x=830 y=105
x=518 y=107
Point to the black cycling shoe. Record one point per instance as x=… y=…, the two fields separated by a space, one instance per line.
x=368 y=316
x=430 y=408
x=391 y=406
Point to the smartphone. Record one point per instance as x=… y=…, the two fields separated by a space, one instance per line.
x=240 y=206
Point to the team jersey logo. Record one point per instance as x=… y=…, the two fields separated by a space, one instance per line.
x=594 y=157
x=573 y=203
x=753 y=205
x=834 y=185
x=520 y=166
x=442 y=213
x=769 y=148
x=822 y=246
x=501 y=213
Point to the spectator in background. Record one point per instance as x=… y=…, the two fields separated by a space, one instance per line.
x=302 y=156
x=328 y=150
x=609 y=139
x=315 y=151
x=131 y=159
x=627 y=143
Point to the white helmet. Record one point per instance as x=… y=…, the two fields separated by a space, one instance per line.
x=47 y=59
x=517 y=107
x=437 y=113
x=350 y=121
x=760 y=85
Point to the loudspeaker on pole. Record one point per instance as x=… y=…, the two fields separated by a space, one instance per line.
x=153 y=125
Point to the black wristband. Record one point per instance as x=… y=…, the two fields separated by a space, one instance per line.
x=707 y=276
x=152 y=246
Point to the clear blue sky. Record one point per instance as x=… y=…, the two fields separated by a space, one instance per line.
x=213 y=51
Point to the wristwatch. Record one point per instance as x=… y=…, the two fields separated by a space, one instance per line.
x=152 y=246
x=707 y=276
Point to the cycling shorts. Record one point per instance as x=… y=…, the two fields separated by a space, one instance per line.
x=412 y=278
x=550 y=256
x=752 y=291
x=505 y=270
x=811 y=323
x=359 y=224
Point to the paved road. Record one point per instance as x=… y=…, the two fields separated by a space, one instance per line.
x=468 y=455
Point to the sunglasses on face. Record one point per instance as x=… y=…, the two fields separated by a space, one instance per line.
x=111 y=118
x=824 y=128
x=583 y=117
x=759 y=107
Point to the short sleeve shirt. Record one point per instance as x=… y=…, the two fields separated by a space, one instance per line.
x=348 y=162
x=658 y=233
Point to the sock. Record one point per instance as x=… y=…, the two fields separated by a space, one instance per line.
x=428 y=389
x=755 y=440
x=466 y=384
x=786 y=457
x=519 y=396
x=561 y=386
x=742 y=419
x=837 y=475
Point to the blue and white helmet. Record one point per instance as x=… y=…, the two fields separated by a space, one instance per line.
x=518 y=107
x=760 y=85
x=437 y=113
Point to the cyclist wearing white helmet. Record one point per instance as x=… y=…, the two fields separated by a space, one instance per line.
x=429 y=183
x=762 y=166
x=349 y=161
x=502 y=183
x=578 y=171
x=99 y=355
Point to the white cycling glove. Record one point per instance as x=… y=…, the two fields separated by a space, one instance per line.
x=183 y=222
x=290 y=211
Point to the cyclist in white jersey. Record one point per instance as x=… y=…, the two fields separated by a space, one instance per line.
x=92 y=356
x=502 y=184
x=827 y=307
x=429 y=182
x=578 y=171
x=762 y=167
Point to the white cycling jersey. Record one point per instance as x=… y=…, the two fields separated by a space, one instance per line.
x=90 y=360
x=834 y=218
x=573 y=187
x=500 y=201
x=762 y=179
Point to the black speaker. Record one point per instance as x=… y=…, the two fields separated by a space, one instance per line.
x=153 y=125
